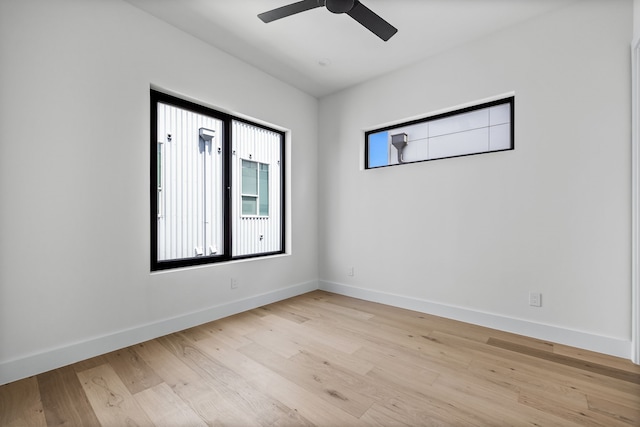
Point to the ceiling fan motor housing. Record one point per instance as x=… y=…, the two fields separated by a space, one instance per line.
x=340 y=6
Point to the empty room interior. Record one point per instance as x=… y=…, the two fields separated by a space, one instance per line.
x=361 y=213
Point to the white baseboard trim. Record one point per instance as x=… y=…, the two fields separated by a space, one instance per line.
x=24 y=367
x=27 y=366
x=597 y=343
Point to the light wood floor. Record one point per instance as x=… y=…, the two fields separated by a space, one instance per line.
x=329 y=360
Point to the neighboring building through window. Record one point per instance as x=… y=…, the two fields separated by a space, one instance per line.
x=483 y=128
x=258 y=176
x=212 y=174
x=255 y=188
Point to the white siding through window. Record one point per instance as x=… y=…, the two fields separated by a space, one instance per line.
x=255 y=234
x=477 y=131
x=190 y=218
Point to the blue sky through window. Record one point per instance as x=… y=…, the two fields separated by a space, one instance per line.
x=378 y=149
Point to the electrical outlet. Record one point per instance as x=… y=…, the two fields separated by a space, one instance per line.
x=350 y=271
x=535 y=299
x=234 y=283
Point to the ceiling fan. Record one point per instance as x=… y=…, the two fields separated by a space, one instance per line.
x=353 y=8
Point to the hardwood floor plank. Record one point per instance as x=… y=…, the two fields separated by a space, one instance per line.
x=110 y=399
x=20 y=404
x=276 y=341
x=419 y=352
x=284 y=312
x=338 y=310
x=346 y=361
x=320 y=343
x=337 y=382
x=426 y=411
x=320 y=383
x=381 y=417
x=570 y=413
x=369 y=330
x=166 y=409
x=518 y=376
x=327 y=343
x=590 y=356
x=597 y=368
x=263 y=408
x=624 y=413
x=91 y=363
x=240 y=324
x=469 y=391
x=220 y=330
x=428 y=391
x=541 y=373
x=198 y=333
x=307 y=404
x=209 y=403
x=136 y=374
x=64 y=400
x=397 y=371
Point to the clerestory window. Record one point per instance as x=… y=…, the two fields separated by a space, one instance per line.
x=483 y=128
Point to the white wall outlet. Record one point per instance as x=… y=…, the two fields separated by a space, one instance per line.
x=350 y=271
x=234 y=283
x=535 y=299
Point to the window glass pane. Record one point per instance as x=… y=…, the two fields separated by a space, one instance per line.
x=249 y=177
x=189 y=180
x=459 y=123
x=500 y=114
x=458 y=144
x=264 y=190
x=500 y=137
x=378 y=149
x=249 y=204
x=258 y=204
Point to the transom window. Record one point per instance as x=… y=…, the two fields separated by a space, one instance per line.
x=482 y=128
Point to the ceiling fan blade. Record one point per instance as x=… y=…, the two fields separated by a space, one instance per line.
x=371 y=21
x=290 y=9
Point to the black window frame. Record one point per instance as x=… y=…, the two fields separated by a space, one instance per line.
x=506 y=100
x=227 y=119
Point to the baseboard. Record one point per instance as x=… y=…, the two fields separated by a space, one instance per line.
x=597 y=343
x=16 y=369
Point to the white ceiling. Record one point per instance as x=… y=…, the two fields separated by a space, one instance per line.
x=320 y=52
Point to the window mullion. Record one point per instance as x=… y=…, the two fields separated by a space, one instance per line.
x=227 y=209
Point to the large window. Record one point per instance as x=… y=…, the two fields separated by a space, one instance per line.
x=216 y=186
x=483 y=128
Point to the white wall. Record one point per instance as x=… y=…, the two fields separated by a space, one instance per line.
x=74 y=181
x=636 y=17
x=472 y=236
